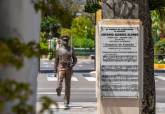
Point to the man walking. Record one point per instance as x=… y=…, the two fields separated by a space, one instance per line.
x=64 y=62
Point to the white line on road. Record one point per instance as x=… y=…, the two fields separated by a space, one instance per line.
x=61 y=106
x=74 y=79
x=45 y=63
x=160 y=77
x=54 y=93
x=90 y=78
x=71 y=89
x=93 y=72
x=52 y=78
x=48 y=93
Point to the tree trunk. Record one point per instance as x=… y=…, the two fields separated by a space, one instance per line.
x=148 y=103
x=19 y=19
x=137 y=9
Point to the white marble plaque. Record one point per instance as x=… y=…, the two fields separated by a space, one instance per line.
x=119 y=60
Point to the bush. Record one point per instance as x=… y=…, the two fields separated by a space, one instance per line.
x=13 y=52
x=43 y=43
x=159 y=51
x=160 y=47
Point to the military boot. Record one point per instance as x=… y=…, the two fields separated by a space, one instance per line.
x=58 y=90
x=66 y=105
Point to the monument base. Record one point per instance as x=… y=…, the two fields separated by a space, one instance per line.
x=119 y=106
x=119 y=66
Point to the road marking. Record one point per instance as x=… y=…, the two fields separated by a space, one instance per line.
x=45 y=63
x=61 y=106
x=90 y=78
x=160 y=77
x=48 y=93
x=62 y=93
x=74 y=79
x=92 y=89
x=93 y=72
x=52 y=78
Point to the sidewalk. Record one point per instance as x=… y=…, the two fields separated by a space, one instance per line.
x=75 y=108
x=87 y=108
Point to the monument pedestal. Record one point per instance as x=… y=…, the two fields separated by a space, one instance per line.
x=119 y=66
x=118 y=106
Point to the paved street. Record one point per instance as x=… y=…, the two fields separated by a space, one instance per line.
x=83 y=88
x=82 y=65
x=83 y=98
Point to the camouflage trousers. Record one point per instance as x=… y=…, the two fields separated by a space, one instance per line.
x=65 y=74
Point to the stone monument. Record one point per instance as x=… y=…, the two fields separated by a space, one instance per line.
x=119 y=66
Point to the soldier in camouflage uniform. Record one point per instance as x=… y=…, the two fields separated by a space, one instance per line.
x=64 y=62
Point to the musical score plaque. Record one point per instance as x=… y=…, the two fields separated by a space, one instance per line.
x=119 y=67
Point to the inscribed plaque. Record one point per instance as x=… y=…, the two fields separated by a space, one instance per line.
x=119 y=60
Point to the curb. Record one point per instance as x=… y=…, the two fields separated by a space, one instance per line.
x=159 y=66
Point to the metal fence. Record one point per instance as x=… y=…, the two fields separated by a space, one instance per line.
x=84 y=51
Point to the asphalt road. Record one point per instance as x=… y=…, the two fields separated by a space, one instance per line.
x=82 y=87
x=82 y=65
x=160 y=87
x=83 y=84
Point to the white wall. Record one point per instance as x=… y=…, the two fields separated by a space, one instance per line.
x=19 y=19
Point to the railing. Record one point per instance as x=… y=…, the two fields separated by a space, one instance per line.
x=84 y=51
